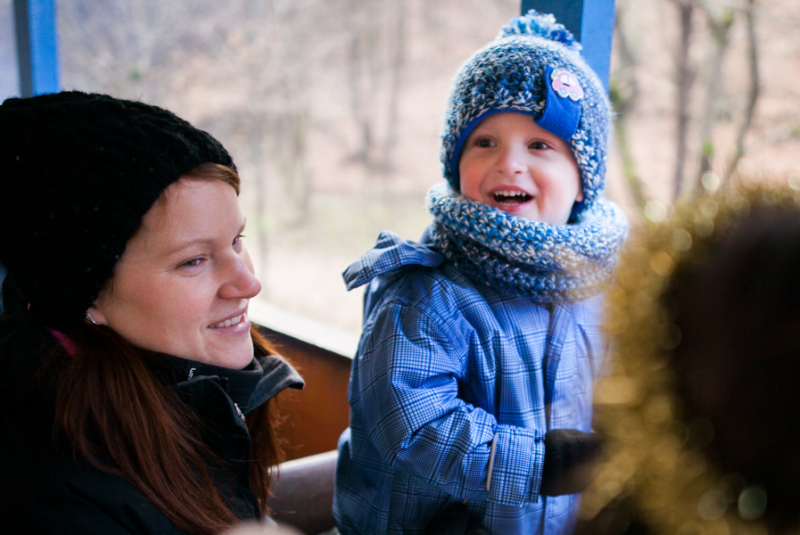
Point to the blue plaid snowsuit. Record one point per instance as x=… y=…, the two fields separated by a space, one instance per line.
x=445 y=373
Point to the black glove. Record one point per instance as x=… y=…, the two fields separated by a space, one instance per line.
x=569 y=459
x=454 y=520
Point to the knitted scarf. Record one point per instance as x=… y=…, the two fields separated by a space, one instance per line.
x=548 y=263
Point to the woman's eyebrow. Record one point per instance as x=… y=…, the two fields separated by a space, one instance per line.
x=187 y=244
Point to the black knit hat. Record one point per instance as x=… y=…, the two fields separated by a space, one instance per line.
x=77 y=173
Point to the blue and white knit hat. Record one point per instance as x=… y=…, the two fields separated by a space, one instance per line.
x=534 y=67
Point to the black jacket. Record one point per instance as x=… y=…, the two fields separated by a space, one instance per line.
x=44 y=491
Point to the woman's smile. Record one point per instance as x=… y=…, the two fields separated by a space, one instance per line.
x=238 y=322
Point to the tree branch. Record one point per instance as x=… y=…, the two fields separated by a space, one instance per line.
x=624 y=93
x=683 y=81
x=720 y=25
x=753 y=93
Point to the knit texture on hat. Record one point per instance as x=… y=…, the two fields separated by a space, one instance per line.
x=508 y=74
x=78 y=173
x=548 y=263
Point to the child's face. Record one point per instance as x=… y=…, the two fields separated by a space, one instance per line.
x=513 y=164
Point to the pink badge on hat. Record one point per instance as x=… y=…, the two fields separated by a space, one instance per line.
x=566 y=84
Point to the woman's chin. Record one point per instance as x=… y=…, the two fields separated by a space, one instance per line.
x=230 y=353
x=237 y=358
x=231 y=347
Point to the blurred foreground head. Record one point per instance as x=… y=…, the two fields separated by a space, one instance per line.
x=701 y=410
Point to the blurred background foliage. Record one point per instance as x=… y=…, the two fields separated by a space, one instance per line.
x=332 y=108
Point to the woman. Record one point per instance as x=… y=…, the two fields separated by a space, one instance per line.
x=701 y=410
x=136 y=393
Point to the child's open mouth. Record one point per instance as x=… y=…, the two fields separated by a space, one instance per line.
x=510 y=197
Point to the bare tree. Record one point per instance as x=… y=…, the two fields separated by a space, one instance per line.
x=684 y=77
x=376 y=58
x=397 y=64
x=362 y=75
x=720 y=22
x=624 y=95
x=125 y=47
x=255 y=60
x=753 y=91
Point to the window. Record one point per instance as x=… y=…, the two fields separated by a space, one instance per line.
x=330 y=108
x=9 y=72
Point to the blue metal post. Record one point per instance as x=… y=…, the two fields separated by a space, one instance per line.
x=592 y=24
x=37 y=46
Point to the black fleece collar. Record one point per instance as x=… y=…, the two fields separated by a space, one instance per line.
x=249 y=388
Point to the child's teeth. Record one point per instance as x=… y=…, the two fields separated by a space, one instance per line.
x=510 y=196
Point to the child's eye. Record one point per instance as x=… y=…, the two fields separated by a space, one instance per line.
x=484 y=142
x=538 y=145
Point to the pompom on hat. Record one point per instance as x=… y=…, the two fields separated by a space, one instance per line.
x=79 y=171
x=533 y=67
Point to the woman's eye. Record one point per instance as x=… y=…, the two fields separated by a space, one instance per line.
x=238 y=240
x=194 y=262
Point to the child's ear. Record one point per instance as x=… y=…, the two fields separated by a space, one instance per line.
x=579 y=197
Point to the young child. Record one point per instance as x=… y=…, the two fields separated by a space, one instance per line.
x=471 y=389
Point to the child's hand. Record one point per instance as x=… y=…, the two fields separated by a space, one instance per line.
x=569 y=459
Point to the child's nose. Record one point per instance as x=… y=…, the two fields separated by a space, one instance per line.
x=511 y=162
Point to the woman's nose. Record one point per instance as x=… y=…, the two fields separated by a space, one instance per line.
x=241 y=281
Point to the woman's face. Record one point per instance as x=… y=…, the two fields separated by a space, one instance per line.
x=184 y=281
